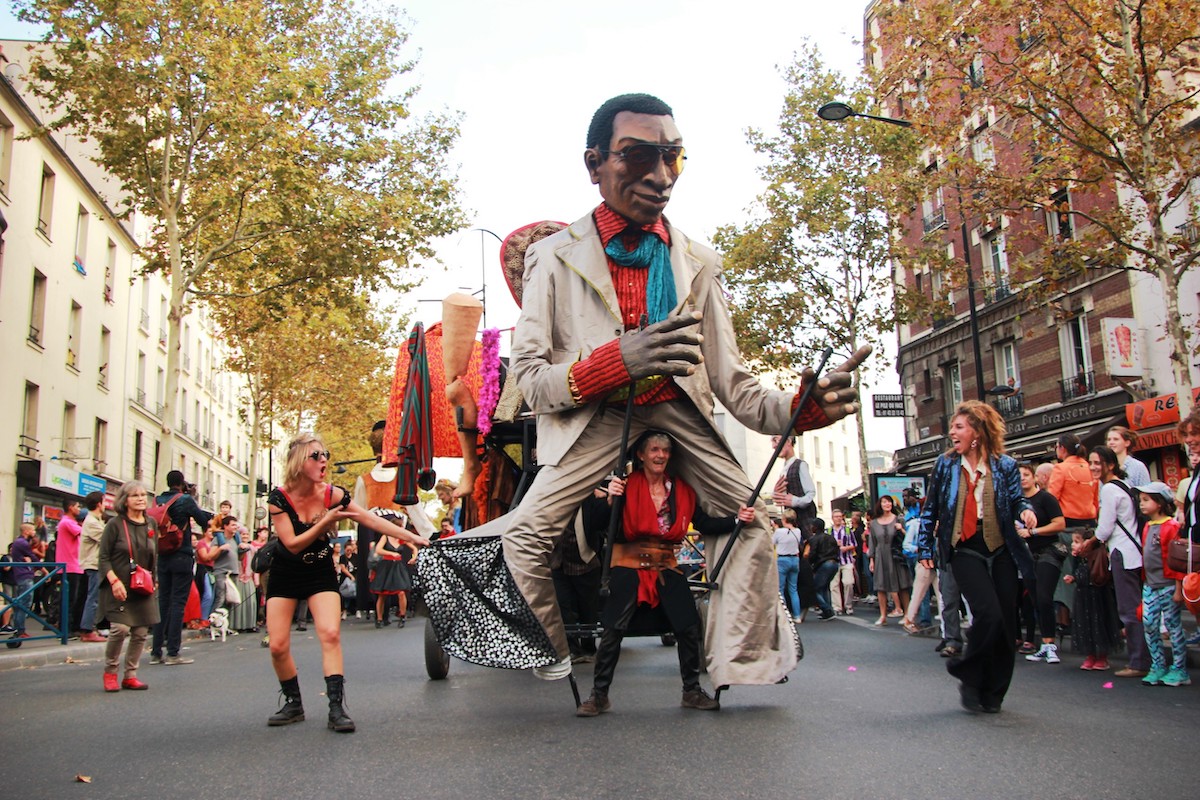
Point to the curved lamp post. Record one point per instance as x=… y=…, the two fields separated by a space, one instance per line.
x=837 y=112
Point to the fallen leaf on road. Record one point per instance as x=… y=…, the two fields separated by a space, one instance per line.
x=1108 y=685
x=83 y=778
x=852 y=669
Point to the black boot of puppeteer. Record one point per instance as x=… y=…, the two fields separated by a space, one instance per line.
x=335 y=690
x=292 y=710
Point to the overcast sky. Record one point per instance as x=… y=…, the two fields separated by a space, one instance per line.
x=527 y=76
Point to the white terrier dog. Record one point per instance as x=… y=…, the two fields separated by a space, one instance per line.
x=218 y=624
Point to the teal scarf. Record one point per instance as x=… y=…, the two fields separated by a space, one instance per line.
x=652 y=252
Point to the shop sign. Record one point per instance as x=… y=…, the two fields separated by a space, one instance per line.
x=1156 y=411
x=69 y=481
x=1122 y=347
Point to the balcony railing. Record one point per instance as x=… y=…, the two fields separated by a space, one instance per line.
x=1001 y=291
x=72 y=359
x=183 y=427
x=187 y=363
x=102 y=382
x=1012 y=406
x=139 y=397
x=144 y=321
x=1082 y=385
x=162 y=337
x=934 y=221
x=35 y=335
x=28 y=446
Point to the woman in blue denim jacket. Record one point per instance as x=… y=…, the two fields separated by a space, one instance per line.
x=972 y=533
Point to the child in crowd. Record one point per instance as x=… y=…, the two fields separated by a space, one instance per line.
x=1095 y=626
x=1162 y=588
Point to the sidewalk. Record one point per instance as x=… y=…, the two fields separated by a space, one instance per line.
x=44 y=652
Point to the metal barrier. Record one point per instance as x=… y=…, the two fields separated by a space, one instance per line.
x=54 y=577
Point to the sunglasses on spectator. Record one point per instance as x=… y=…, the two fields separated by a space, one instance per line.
x=317 y=456
x=643 y=157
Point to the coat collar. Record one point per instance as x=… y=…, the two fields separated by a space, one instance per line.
x=584 y=255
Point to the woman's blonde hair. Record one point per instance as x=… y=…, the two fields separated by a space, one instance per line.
x=987 y=424
x=297 y=454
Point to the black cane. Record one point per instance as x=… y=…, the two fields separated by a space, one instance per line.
x=618 y=503
x=737 y=529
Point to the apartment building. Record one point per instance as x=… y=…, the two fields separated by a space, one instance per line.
x=83 y=333
x=1049 y=367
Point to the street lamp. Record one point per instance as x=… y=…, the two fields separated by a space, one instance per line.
x=837 y=112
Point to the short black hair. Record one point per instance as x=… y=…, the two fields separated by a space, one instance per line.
x=93 y=500
x=600 y=132
x=174 y=479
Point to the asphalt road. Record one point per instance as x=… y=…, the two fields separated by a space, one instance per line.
x=869 y=713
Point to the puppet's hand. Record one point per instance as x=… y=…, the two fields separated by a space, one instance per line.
x=670 y=347
x=834 y=394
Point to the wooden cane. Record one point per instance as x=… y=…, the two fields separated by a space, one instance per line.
x=618 y=504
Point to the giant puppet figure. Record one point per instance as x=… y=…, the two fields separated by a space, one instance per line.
x=578 y=347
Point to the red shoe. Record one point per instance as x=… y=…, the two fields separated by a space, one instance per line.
x=92 y=636
x=1101 y=663
x=133 y=683
x=1088 y=663
x=110 y=682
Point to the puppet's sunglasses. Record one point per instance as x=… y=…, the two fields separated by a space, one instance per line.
x=644 y=157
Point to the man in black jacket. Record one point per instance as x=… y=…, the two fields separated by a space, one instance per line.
x=824 y=560
x=175 y=571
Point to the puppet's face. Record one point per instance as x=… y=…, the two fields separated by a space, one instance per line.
x=636 y=190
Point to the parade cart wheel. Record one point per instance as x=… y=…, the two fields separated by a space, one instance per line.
x=437 y=660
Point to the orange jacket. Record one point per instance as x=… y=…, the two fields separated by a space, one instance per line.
x=1073 y=486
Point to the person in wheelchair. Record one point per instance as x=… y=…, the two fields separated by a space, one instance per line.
x=657 y=512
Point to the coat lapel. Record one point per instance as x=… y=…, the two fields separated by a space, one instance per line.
x=584 y=256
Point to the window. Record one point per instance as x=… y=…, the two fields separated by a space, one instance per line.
x=817 y=451
x=1007 y=372
x=995 y=256
x=37 y=309
x=162 y=322
x=187 y=348
x=74 y=335
x=100 y=445
x=46 y=202
x=952 y=380
x=81 y=235
x=846 y=459
x=1058 y=216
x=927 y=383
x=144 y=319
x=832 y=463
x=110 y=271
x=140 y=397
x=6 y=148
x=1078 y=378
x=138 y=473
x=29 y=423
x=981 y=146
x=67 y=449
x=183 y=404
x=975 y=71
x=105 y=354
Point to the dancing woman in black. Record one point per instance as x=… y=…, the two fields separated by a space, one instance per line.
x=306 y=511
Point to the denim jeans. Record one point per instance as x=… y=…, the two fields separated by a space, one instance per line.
x=789 y=575
x=88 y=621
x=174 y=586
x=19 y=612
x=822 y=575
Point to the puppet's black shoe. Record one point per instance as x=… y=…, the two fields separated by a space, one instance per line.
x=594 y=706
x=699 y=699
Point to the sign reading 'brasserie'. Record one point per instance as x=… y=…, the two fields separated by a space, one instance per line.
x=888 y=405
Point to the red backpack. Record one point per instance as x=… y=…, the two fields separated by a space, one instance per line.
x=170 y=538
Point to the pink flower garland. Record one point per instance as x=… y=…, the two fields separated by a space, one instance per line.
x=489 y=373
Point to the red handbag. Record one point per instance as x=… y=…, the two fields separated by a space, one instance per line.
x=141 y=581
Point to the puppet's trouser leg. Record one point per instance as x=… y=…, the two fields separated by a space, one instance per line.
x=544 y=513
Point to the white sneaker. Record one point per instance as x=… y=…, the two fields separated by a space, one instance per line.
x=554 y=672
x=1047 y=653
